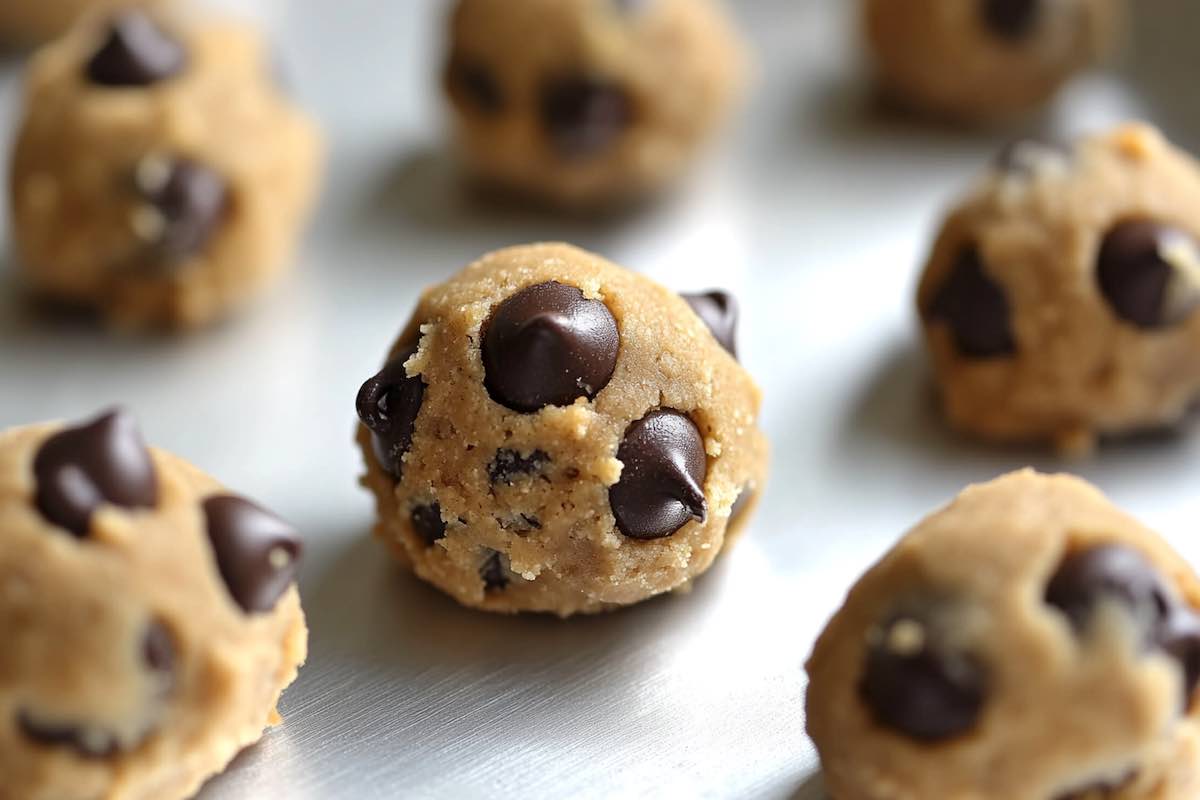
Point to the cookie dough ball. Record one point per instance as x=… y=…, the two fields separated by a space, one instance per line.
x=25 y=21
x=554 y=433
x=984 y=60
x=149 y=617
x=1059 y=301
x=159 y=174
x=587 y=102
x=1027 y=642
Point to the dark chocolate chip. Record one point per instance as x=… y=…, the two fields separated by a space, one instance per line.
x=428 y=523
x=494 y=571
x=257 y=553
x=719 y=311
x=583 y=116
x=1022 y=156
x=510 y=464
x=85 y=743
x=975 y=308
x=547 y=345
x=914 y=683
x=136 y=52
x=158 y=648
x=185 y=205
x=388 y=405
x=80 y=469
x=662 y=476
x=1180 y=639
x=1147 y=272
x=1011 y=19
x=475 y=86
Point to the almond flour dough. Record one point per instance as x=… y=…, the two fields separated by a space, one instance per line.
x=554 y=433
x=159 y=174
x=587 y=102
x=1059 y=300
x=1026 y=642
x=984 y=60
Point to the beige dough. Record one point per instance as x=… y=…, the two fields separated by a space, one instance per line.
x=1064 y=711
x=943 y=56
x=547 y=536
x=662 y=75
x=77 y=613
x=82 y=225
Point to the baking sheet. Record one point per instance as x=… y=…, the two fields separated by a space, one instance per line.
x=816 y=213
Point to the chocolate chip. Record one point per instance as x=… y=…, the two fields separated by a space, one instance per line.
x=136 y=52
x=1011 y=19
x=185 y=203
x=257 y=553
x=1023 y=156
x=388 y=405
x=494 y=571
x=916 y=684
x=158 y=648
x=1149 y=273
x=473 y=85
x=82 y=468
x=510 y=464
x=662 y=477
x=975 y=308
x=583 y=115
x=85 y=742
x=718 y=310
x=547 y=345
x=428 y=523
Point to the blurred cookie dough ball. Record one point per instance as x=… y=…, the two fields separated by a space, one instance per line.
x=587 y=102
x=159 y=175
x=1061 y=298
x=985 y=60
x=31 y=21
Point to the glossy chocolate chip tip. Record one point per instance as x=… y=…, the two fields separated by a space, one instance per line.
x=184 y=205
x=136 y=51
x=975 y=309
x=661 y=487
x=257 y=553
x=719 y=311
x=388 y=404
x=548 y=345
x=1149 y=273
x=104 y=461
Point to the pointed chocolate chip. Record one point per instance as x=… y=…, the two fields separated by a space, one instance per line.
x=662 y=476
x=719 y=311
x=494 y=571
x=1149 y=273
x=85 y=742
x=547 y=345
x=508 y=465
x=474 y=86
x=1011 y=19
x=428 y=523
x=388 y=404
x=916 y=684
x=82 y=468
x=583 y=116
x=184 y=205
x=136 y=52
x=257 y=553
x=975 y=308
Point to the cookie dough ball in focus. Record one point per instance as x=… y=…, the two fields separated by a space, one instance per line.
x=984 y=60
x=1060 y=299
x=554 y=433
x=150 y=618
x=585 y=102
x=159 y=174
x=1027 y=642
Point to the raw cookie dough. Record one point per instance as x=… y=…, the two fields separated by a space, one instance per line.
x=159 y=175
x=1059 y=301
x=150 y=618
x=26 y=21
x=984 y=60
x=1027 y=642
x=554 y=433
x=586 y=102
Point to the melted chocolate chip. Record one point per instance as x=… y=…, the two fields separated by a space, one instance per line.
x=494 y=571
x=975 y=308
x=547 y=345
x=185 y=203
x=388 y=404
x=916 y=684
x=662 y=477
x=475 y=86
x=86 y=743
x=80 y=469
x=1147 y=272
x=510 y=464
x=428 y=523
x=136 y=52
x=718 y=310
x=1010 y=19
x=257 y=553
x=583 y=116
